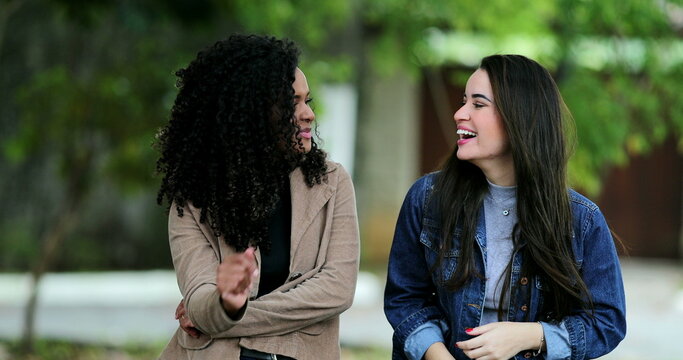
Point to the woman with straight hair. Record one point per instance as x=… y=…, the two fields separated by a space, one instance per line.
x=494 y=257
x=262 y=228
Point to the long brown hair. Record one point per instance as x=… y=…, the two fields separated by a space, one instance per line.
x=539 y=128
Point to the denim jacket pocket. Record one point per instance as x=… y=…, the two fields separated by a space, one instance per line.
x=430 y=237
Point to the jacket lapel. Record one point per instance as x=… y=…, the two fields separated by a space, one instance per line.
x=306 y=203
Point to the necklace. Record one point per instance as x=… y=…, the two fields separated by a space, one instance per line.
x=503 y=198
x=504 y=210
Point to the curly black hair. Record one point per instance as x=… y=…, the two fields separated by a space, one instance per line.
x=230 y=143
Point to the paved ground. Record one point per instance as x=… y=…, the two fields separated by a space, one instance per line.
x=654 y=300
x=137 y=307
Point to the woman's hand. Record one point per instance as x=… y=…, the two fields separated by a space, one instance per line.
x=438 y=351
x=185 y=322
x=501 y=340
x=234 y=279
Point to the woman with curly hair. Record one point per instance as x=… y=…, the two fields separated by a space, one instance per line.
x=494 y=257
x=263 y=230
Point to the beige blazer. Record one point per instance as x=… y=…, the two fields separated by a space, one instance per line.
x=299 y=319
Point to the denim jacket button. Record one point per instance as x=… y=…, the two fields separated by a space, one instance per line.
x=524 y=308
x=524 y=281
x=528 y=355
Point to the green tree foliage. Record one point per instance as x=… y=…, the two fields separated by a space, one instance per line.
x=618 y=63
x=87 y=84
x=90 y=83
x=95 y=88
x=89 y=107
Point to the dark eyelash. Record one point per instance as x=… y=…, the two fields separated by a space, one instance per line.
x=309 y=100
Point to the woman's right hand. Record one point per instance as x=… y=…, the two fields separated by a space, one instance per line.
x=185 y=322
x=234 y=279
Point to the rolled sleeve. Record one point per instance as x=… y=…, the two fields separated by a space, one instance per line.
x=557 y=341
x=423 y=337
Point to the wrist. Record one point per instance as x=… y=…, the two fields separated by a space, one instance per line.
x=231 y=310
x=437 y=350
x=540 y=342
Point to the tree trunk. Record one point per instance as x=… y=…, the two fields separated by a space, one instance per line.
x=52 y=241
x=77 y=188
x=680 y=232
x=6 y=10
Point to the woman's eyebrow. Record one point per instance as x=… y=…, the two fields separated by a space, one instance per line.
x=481 y=96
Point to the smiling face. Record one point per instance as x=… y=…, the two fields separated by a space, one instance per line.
x=482 y=139
x=303 y=114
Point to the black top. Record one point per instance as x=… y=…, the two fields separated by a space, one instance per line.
x=275 y=263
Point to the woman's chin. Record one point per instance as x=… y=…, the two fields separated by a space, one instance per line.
x=306 y=144
x=463 y=155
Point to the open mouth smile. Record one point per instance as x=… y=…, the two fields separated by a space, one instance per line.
x=466 y=134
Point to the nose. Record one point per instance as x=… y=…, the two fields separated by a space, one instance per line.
x=306 y=114
x=461 y=114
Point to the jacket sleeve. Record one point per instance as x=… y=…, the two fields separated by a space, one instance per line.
x=409 y=300
x=326 y=292
x=195 y=262
x=593 y=336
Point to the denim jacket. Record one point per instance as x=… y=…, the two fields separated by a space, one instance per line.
x=414 y=296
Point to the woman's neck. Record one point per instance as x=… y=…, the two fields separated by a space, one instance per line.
x=501 y=175
x=499 y=170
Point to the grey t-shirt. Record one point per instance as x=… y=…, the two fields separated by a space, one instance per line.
x=501 y=216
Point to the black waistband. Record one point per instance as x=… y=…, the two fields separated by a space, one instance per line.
x=263 y=356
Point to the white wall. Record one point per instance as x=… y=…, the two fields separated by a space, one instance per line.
x=337 y=124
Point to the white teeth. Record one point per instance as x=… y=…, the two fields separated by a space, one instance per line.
x=465 y=132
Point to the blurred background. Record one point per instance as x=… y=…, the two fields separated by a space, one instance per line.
x=85 y=269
